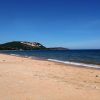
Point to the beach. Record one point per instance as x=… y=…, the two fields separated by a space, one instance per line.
x=32 y=79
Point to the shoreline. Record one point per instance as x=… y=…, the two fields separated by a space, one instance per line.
x=67 y=63
x=32 y=79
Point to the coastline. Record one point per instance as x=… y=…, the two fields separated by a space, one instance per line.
x=25 y=78
x=68 y=63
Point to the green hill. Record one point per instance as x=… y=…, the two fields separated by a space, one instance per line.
x=20 y=45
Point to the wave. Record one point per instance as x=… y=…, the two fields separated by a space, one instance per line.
x=14 y=55
x=64 y=62
x=75 y=63
x=17 y=55
x=26 y=56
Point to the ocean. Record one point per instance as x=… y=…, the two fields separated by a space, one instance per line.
x=85 y=58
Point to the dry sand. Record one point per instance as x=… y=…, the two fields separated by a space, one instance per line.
x=27 y=79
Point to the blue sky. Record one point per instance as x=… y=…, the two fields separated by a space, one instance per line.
x=69 y=23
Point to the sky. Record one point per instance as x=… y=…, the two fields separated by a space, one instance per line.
x=74 y=24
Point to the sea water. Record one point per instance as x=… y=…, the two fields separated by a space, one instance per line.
x=85 y=58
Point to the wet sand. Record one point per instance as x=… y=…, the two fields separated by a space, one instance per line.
x=27 y=79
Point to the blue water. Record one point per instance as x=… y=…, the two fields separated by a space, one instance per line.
x=76 y=56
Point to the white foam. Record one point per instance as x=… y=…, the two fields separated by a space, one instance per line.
x=14 y=55
x=17 y=55
x=75 y=63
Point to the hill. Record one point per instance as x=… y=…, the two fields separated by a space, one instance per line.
x=21 y=45
x=57 y=48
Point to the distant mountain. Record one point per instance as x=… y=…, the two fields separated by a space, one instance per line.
x=58 y=48
x=21 y=45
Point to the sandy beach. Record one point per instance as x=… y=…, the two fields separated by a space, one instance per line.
x=28 y=79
